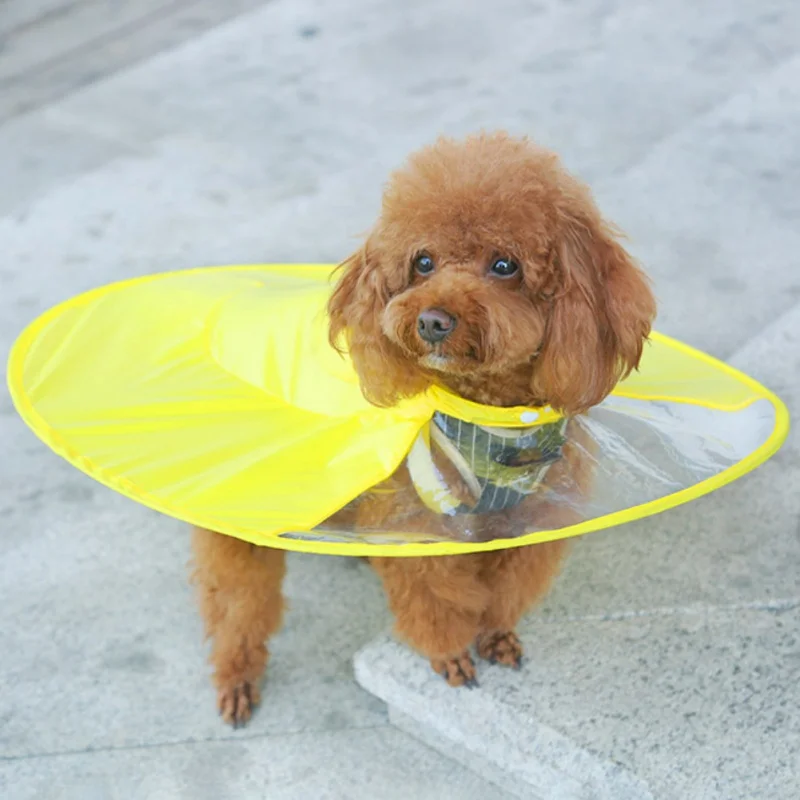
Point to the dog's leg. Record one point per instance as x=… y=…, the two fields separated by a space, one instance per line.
x=517 y=578
x=437 y=603
x=521 y=576
x=239 y=591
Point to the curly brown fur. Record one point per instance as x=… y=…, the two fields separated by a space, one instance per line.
x=562 y=329
x=239 y=592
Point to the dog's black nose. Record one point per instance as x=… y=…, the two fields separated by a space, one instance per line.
x=435 y=325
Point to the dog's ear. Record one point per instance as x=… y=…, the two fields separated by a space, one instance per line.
x=355 y=310
x=600 y=318
x=342 y=305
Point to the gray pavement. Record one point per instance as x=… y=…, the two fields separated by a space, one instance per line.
x=50 y=48
x=134 y=141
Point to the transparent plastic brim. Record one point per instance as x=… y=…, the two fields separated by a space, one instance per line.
x=625 y=459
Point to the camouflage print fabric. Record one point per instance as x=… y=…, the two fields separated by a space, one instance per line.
x=502 y=465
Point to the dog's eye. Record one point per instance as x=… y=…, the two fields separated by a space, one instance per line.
x=423 y=265
x=504 y=268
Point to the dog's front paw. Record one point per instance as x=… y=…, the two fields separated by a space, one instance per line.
x=236 y=703
x=500 y=647
x=458 y=671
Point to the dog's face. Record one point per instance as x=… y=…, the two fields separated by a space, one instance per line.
x=470 y=304
x=490 y=262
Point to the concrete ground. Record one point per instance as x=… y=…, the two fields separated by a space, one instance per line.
x=159 y=134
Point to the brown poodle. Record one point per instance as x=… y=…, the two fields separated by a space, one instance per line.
x=492 y=273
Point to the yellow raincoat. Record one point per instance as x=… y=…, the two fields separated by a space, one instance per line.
x=213 y=396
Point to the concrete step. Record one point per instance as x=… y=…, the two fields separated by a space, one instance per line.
x=665 y=664
x=235 y=147
x=711 y=212
x=51 y=48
